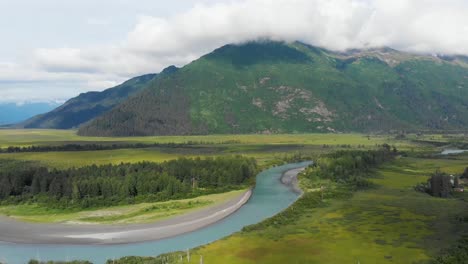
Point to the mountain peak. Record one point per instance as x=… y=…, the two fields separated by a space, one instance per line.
x=169 y=70
x=278 y=87
x=254 y=52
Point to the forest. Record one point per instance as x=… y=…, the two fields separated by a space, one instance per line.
x=84 y=147
x=92 y=147
x=350 y=167
x=125 y=183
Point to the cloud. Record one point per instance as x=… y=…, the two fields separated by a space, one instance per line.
x=67 y=60
x=417 y=25
x=427 y=26
x=422 y=26
x=27 y=83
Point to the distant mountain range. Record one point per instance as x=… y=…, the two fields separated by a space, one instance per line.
x=87 y=106
x=11 y=113
x=275 y=87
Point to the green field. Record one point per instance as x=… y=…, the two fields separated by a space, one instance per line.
x=264 y=148
x=82 y=158
x=16 y=137
x=128 y=214
x=391 y=223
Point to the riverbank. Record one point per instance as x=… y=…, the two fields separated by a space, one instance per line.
x=140 y=213
x=289 y=178
x=268 y=198
x=14 y=231
x=19 y=232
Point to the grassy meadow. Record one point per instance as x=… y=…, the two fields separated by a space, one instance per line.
x=390 y=223
x=264 y=148
x=19 y=137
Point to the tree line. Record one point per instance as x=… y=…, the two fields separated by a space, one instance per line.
x=125 y=183
x=350 y=167
x=92 y=147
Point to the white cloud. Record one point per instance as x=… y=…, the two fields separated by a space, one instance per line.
x=431 y=26
x=427 y=26
x=27 y=83
x=417 y=25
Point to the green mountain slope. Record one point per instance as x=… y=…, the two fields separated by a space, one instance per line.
x=87 y=106
x=272 y=87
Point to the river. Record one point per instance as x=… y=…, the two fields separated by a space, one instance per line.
x=453 y=151
x=269 y=197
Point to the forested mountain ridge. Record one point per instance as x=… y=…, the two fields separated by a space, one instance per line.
x=87 y=106
x=274 y=87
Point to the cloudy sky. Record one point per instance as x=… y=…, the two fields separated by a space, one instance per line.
x=51 y=50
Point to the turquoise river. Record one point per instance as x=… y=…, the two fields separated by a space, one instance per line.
x=269 y=197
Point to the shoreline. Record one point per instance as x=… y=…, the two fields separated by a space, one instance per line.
x=289 y=178
x=15 y=232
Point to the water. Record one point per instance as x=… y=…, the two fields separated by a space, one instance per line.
x=268 y=198
x=453 y=151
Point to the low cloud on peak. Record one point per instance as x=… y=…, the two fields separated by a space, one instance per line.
x=154 y=42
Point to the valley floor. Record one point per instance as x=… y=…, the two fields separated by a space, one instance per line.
x=266 y=149
x=391 y=223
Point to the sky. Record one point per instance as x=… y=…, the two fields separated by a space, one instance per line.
x=52 y=50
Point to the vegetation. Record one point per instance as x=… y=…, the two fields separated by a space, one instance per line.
x=92 y=147
x=454 y=255
x=59 y=262
x=293 y=88
x=350 y=211
x=122 y=214
x=349 y=167
x=268 y=150
x=47 y=137
x=440 y=185
x=345 y=170
x=163 y=259
x=387 y=223
x=124 y=183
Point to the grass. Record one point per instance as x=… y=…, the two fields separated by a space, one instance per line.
x=265 y=148
x=82 y=158
x=68 y=159
x=128 y=214
x=13 y=137
x=390 y=223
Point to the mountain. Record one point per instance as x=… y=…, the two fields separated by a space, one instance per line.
x=87 y=106
x=274 y=87
x=11 y=113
